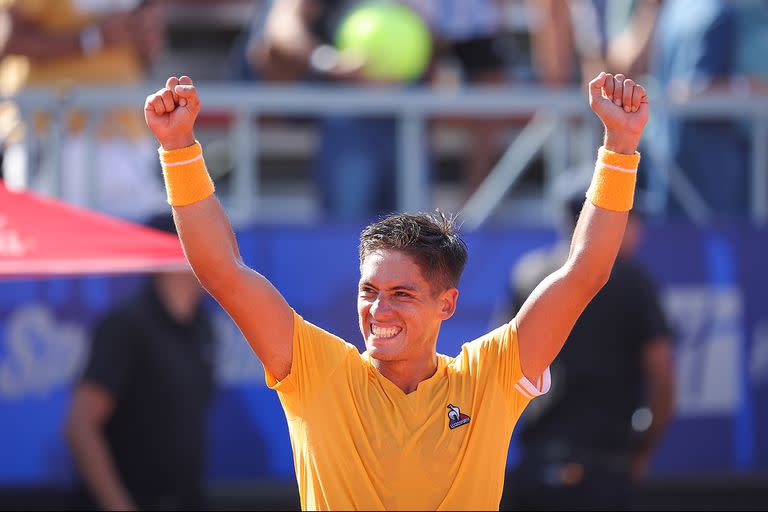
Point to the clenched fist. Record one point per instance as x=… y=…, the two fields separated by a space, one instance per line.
x=622 y=106
x=171 y=112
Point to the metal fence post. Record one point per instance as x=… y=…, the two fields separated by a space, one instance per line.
x=245 y=183
x=556 y=161
x=53 y=165
x=19 y=158
x=92 y=199
x=508 y=170
x=412 y=190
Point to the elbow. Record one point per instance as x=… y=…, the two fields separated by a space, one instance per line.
x=594 y=281
x=216 y=271
x=589 y=280
x=218 y=278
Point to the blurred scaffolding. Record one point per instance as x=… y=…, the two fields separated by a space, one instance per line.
x=259 y=139
x=245 y=156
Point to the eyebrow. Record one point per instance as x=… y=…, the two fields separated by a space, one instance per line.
x=394 y=288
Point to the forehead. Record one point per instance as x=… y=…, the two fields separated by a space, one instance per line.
x=390 y=268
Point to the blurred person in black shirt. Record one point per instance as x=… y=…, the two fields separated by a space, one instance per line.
x=586 y=442
x=137 y=421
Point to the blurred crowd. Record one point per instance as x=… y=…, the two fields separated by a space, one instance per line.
x=679 y=48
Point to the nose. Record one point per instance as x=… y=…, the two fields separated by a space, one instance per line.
x=380 y=307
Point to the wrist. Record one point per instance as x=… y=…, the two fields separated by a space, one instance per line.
x=621 y=143
x=186 y=177
x=178 y=142
x=613 y=184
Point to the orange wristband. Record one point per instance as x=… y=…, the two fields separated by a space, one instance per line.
x=613 y=184
x=186 y=178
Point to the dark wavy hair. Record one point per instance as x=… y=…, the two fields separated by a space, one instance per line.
x=430 y=239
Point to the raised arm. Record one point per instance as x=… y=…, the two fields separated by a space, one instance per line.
x=258 y=309
x=546 y=318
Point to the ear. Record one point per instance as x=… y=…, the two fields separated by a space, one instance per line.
x=448 y=300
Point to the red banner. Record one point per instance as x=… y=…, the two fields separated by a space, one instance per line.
x=41 y=236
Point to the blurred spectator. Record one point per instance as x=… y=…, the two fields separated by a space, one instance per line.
x=552 y=48
x=583 y=37
x=752 y=46
x=138 y=417
x=630 y=33
x=355 y=162
x=695 y=53
x=70 y=43
x=690 y=48
x=583 y=446
x=467 y=33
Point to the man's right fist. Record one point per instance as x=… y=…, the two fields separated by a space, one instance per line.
x=171 y=112
x=622 y=106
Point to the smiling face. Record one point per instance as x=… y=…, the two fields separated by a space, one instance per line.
x=399 y=311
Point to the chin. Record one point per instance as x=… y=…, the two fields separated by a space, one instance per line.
x=380 y=353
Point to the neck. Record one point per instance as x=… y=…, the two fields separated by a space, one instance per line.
x=407 y=375
x=181 y=304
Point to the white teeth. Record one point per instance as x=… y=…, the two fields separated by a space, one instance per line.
x=384 y=332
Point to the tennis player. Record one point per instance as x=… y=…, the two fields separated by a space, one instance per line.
x=401 y=426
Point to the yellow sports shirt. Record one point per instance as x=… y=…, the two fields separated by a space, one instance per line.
x=359 y=442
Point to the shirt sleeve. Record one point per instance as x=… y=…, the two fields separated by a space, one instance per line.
x=317 y=354
x=496 y=356
x=113 y=354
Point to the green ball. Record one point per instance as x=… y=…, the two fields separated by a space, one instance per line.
x=393 y=39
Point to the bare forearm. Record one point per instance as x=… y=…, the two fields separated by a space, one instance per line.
x=208 y=240
x=204 y=229
x=595 y=244
x=98 y=469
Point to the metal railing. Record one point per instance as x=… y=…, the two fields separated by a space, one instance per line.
x=561 y=124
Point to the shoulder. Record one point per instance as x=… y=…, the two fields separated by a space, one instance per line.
x=487 y=347
x=319 y=351
x=306 y=330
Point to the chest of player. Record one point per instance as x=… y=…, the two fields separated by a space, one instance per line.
x=404 y=438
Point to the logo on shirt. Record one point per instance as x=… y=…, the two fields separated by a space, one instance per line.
x=455 y=417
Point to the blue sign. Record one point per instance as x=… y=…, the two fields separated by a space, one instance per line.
x=713 y=285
